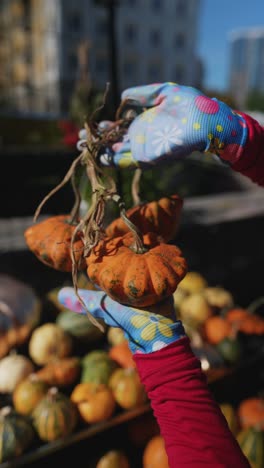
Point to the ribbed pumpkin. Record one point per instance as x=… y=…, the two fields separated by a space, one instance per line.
x=79 y=326
x=161 y=216
x=113 y=459
x=97 y=367
x=55 y=416
x=16 y=434
x=20 y=311
x=95 y=402
x=50 y=241
x=127 y=388
x=138 y=275
x=251 y=412
x=154 y=455
x=251 y=441
x=28 y=394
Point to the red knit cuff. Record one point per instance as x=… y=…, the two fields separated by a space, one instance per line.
x=251 y=160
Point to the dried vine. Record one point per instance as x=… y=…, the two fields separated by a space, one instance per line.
x=90 y=226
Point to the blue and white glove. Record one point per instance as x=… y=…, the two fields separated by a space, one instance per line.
x=145 y=331
x=176 y=121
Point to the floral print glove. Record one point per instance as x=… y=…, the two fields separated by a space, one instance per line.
x=146 y=332
x=176 y=120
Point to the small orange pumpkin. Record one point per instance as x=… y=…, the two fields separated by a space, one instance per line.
x=60 y=372
x=251 y=413
x=154 y=455
x=139 y=275
x=95 y=402
x=122 y=354
x=216 y=329
x=127 y=388
x=50 y=241
x=161 y=216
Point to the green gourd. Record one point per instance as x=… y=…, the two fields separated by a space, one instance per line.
x=16 y=434
x=230 y=349
x=79 y=326
x=251 y=441
x=55 y=416
x=97 y=367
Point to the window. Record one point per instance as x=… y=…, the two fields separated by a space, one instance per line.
x=102 y=27
x=72 y=60
x=129 y=68
x=155 y=37
x=181 y=8
x=154 y=71
x=179 y=74
x=179 y=41
x=101 y=64
x=156 y=5
x=130 y=32
x=74 y=21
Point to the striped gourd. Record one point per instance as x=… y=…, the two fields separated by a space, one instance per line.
x=79 y=326
x=251 y=441
x=55 y=416
x=16 y=434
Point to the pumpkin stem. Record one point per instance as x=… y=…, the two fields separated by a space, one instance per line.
x=135 y=189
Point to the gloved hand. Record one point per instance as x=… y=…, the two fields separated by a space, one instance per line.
x=146 y=332
x=178 y=121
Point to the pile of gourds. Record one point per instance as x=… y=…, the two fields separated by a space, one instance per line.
x=215 y=324
x=53 y=391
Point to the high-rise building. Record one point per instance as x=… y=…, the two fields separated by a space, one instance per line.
x=246 y=63
x=46 y=42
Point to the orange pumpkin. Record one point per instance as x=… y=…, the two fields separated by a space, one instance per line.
x=28 y=393
x=251 y=413
x=136 y=274
x=127 y=388
x=95 y=402
x=60 y=372
x=122 y=354
x=161 y=217
x=236 y=315
x=154 y=455
x=50 y=241
x=245 y=321
x=216 y=329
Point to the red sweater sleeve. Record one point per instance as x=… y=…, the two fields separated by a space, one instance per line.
x=251 y=160
x=195 y=432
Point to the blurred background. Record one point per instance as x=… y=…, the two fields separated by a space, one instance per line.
x=57 y=56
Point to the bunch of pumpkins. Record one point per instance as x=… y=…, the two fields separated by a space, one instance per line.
x=213 y=321
x=52 y=391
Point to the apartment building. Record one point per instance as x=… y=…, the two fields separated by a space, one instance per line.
x=246 y=63
x=47 y=44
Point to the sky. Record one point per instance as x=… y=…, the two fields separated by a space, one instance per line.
x=217 y=19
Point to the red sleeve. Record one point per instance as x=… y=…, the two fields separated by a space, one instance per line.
x=251 y=161
x=195 y=431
